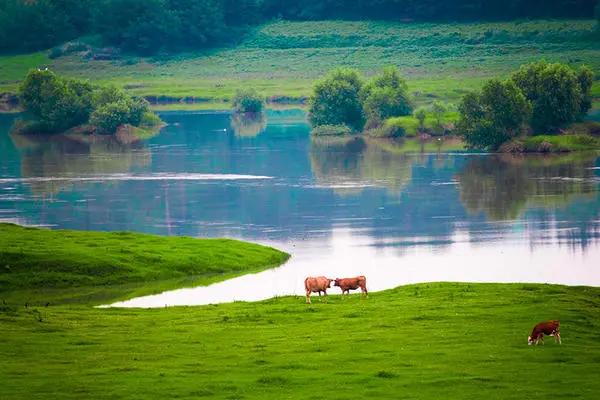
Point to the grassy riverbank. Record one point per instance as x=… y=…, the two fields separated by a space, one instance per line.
x=38 y=263
x=459 y=341
x=283 y=59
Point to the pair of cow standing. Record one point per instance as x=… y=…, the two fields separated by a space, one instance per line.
x=321 y=284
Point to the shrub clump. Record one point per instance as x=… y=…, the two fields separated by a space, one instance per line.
x=331 y=130
x=493 y=116
x=559 y=94
x=539 y=97
x=336 y=100
x=386 y=96
x=59 y=104
x=248 y=101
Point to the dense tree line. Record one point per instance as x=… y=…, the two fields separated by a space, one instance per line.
x=145 y=26
x=428 y=9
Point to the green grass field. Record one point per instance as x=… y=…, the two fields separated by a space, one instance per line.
x=282 y=59
x=459 y=341
x=428 y=341
x=40 y=265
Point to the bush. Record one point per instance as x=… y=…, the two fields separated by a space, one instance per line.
x=420 y=115
x=58 y=104
x=559 y=94
x=108 y=117
x=248 y=101
x=336 y=100
x=331 y=130
x=386 y=96
x=493 y=116
x=388 y=129
x=149 y=119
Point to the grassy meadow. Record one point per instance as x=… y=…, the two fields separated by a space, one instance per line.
x=41 y=265
x=428 y=341
x=283 y=59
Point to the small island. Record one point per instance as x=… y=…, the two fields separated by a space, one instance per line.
x=60 y=105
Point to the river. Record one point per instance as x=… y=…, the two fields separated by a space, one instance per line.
x=396 y=212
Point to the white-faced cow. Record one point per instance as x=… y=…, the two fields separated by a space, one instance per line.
x=550 y=328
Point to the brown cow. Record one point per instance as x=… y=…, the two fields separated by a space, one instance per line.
x=347 y=284
x=550 y=328
x=316 y=285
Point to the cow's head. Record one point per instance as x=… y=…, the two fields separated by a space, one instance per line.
x=336 y=282
x=529 y=340
x=329 y=282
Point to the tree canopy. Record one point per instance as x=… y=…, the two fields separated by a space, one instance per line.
x=148 y=26
x=336 y=100
x=58 y=104
x=494 y=115
x=386 y=95
x=558 y=93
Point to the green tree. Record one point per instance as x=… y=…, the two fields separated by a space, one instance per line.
x=248 y=101
x=386 y=96
x=420 y=115
x=438 y=109
x=491 y=117
x=559 y=94
x=336 y=100
x=58 y=104
x=108 y=117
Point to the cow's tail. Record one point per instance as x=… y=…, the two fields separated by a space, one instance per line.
x=306 y=284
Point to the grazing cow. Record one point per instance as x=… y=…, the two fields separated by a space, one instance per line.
x=550 y=328
x=347 y=284
x=316 y=285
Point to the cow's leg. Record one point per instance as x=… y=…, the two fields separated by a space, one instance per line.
x=557 y=338
x=308 y=297
x=364 y=291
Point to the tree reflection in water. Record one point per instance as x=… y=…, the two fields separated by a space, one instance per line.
x=75 y=155
x=503 y=186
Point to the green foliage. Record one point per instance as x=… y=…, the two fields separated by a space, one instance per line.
x=426 y=9
x=63 y=258
x=108 y=117
x=559 y=94
x=438 y=109
x=386 y=96
x=336 y=100
x=248 y=101
x=559 y=143
x=420 y=114
x=114 y=108
x=58 y=104
x=331 y=130
x=389 y=129
x=494 y=115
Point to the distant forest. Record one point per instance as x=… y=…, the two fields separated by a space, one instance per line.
x=148 y=26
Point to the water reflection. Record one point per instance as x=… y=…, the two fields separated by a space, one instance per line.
x=503 y=186
x=76 y=156
x=350 y=164
x=248 y=124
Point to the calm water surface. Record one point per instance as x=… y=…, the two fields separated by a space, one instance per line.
x=395 y=212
